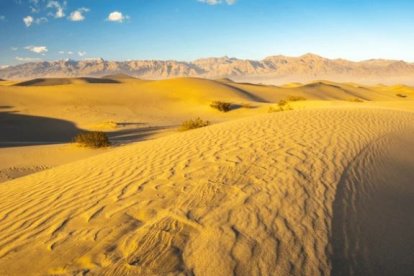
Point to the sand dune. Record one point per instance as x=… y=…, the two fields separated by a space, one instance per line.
x=119 y=77
x=256 y=196
x=47 y=112
x=373 y=223
x=63 y=81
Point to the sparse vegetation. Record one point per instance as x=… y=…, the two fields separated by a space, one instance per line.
x=221 y=106
x=402 y=95
x=283 y=105
x=192 y=124
x=355 y=100
x=295 y=98
x=92 y=139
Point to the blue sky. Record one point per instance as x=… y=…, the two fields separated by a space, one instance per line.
x=190 y=29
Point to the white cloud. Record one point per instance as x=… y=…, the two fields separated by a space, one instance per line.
x=81 y=53
x=2 y=18
x=216 y=2
x=59 y=8
x=40 y=20
x=4 y=66
x=117 y=16
x=27 y=59
x=28 y=21
x=66 y=53
x=78 y=15
x=14 y=48
x=37 y=49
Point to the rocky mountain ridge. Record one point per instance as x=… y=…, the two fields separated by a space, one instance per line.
x=273 y=69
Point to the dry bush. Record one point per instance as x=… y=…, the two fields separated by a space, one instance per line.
x=295 y=98
x=273 y=109
x=283 y=105
x=355 y=100
x=92 y=139
x=192 y=124
x=221 y=106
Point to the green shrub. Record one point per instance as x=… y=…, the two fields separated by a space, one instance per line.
x=221 y=106
x=92 y=139
x=192 y=124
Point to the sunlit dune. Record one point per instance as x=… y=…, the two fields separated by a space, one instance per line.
x=299 y=179
x=51 y=111
x=252 y=196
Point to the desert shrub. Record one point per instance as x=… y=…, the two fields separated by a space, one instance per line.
x=221 y=106
x=192 y=124
x=355 y=100
x=295 y=98
x=283 y=105
x=92 y=139
x=274 y=109
x=402 y=95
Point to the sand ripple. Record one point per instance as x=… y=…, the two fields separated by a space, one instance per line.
x=249 y=197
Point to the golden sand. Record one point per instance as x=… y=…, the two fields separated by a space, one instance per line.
x=325 y=188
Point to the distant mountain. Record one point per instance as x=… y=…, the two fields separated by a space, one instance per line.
x=273 y=69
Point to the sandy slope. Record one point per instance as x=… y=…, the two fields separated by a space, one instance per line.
x=373 y=222
x=252 y=197
x=18 y=161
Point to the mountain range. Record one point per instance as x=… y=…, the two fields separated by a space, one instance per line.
x=271 y=70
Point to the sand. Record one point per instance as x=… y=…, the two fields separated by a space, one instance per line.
x=373 y=221
x=254 y=196
x=323 y=189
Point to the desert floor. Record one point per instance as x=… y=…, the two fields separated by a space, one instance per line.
x=323 y=188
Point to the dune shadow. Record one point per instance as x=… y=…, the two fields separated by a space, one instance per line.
x=99 y=80
x=247 y=94
x=134 y=134
x=23 y=130
x=44 y=82
x=124 y=124
x=373 y=221
x=62 y=81
x=27 y=130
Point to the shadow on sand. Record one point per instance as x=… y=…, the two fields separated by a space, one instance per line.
x=134 y=134
x=61 y=81
x=23 y=130
x=373 y=220
x=27 y=130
